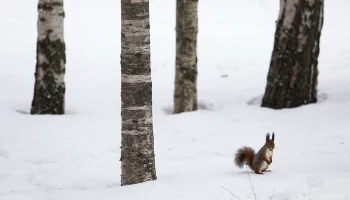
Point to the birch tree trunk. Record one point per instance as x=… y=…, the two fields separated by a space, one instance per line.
x=137 y=151
x=292 y=77
x=49 y=89
x=185 y=94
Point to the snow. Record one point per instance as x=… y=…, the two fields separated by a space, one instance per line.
x=76 y=156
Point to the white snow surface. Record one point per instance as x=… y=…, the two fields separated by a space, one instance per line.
x=76 y=156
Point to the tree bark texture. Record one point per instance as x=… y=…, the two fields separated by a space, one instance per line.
x=292 y=77
x=49 y=88
x=185 y=94
x=137 y=151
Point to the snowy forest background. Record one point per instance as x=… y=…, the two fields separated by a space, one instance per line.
x=76 y=156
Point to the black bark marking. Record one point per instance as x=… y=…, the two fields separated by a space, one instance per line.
x=62 y=14
x=49 y=95
x=49 y=6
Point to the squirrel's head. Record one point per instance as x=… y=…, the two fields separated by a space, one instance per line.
x=270 y=143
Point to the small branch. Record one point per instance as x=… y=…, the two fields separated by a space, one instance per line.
x=251 y=185
x=230 y=193
x=154 y=69
x=272 y=194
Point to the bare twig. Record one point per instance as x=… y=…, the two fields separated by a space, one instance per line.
x=154 y=69
x=272 y=194
x=251 y=185
x=230 y=192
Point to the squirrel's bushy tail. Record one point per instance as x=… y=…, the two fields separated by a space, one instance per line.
x=244 y=155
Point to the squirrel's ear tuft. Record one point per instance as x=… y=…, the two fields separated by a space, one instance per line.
x=267 y=136
x=273 y=136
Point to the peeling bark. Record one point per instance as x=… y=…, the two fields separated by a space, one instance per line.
x=137 y=150
x=292 y=77
x=49 y=89
x=185 y=94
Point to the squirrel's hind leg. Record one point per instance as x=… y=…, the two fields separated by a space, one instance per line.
x=257 y=172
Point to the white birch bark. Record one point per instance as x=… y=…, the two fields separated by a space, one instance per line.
x=49 y=89
x=292 y=78
x=185 y=94
x=137 y=151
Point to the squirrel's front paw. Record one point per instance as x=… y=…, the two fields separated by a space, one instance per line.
x=269 y=162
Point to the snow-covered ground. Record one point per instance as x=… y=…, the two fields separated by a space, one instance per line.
x=76 y=156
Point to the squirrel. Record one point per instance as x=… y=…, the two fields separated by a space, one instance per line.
x=260 y=161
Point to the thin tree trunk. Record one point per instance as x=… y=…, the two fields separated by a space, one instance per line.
x=137 y=151
x=292 y=78
x=49 y=89
x=185 y=94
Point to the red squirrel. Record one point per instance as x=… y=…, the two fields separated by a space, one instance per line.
x=260 y=161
